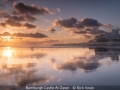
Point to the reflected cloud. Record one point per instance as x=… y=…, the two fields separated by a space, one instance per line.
x=30 y=77
x=52 y=61
x=83 y=63
x=87 y=62
x=28 y=80
x=31 y=65
x=23 y=75
x=23 y=67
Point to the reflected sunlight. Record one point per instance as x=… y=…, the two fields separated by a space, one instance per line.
x=7 y=52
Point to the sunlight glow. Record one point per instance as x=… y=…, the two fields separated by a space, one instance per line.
x=6 y=37
x=7 y=52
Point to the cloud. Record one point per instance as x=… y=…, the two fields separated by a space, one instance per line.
x=79 y=31
x=4 y=14
x=28 y=25
x=58 y=9
x=15 y=20
x=84 y=26
x=24 y=17
x=51 y=29
x=66 y=23
x=90 y=31
x=21 y=8
x=36 y=35
x=89 y=22
x=6 y=34
x=12 y=23
x=95 y=31
x=2 y=24
x=84 y=31
x=78 y=25
x=29 y=17
x=87 y=36
x=74 y=23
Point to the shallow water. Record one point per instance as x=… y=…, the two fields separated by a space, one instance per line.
x=59 y=66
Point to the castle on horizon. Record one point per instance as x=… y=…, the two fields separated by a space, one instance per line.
x=113 y=36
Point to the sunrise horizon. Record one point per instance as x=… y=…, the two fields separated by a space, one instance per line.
x=56 y=23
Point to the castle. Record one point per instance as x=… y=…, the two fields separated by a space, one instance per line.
x=108 y=37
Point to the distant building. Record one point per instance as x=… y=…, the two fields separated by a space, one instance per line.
x=108 y=37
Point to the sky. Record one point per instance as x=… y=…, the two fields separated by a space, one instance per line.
x=57 y=21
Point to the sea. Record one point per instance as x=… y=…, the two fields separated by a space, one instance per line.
x=76 y=66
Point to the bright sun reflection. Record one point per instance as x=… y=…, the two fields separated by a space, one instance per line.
x=7 y=52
